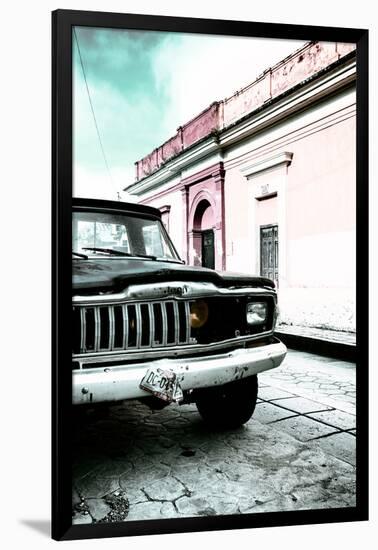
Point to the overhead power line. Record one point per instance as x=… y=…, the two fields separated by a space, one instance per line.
x=94 y=115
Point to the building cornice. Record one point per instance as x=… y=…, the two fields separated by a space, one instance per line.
x=284 y=158
x=335 y=77
x=303 y=95
x=214 y=171
x=175 y=166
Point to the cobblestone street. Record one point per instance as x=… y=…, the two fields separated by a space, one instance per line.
x=297 y=452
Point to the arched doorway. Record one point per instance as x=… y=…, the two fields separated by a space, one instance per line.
x=203 y=234
x=204 y=231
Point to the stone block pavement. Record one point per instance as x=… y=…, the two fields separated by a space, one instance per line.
x=297 y=452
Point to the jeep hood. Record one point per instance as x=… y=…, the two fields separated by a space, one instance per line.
x=113 y=274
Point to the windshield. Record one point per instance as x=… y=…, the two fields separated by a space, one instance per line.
x=124 y=234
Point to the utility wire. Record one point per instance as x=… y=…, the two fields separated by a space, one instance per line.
x=94 y=116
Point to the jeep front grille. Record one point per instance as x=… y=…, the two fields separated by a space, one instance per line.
x=130 y=326
x=161 y=324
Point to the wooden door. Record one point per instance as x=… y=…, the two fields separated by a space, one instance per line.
x=269 y=252
x=208 y=256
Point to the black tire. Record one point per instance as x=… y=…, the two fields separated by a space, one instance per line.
x=228 y=406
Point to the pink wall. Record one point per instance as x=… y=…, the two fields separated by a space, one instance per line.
x=267 y=213
x=321 y=208
x=193 y=131
x=296 y=68
x=276 y=80
x=206 y=216
x=205 y=189
x=321 y=184
x=187 y=215
x=200 y=126
x=317 y=216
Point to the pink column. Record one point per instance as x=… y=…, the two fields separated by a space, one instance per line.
x=185 y=213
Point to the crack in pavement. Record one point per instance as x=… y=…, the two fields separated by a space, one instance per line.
x=188 y=492
x=259 y=466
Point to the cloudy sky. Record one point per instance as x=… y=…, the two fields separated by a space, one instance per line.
x=143 y=85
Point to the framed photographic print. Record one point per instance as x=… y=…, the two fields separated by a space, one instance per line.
x=209 y=274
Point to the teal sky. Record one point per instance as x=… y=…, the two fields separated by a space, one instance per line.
x=145 y=84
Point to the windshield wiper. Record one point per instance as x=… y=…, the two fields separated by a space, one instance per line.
x=170 y=260
x=113 y=252
x=148 y=256
x=118 y=252
x=84 y=256
x=106 y=250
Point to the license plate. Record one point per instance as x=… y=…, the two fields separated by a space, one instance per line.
x=163 y=384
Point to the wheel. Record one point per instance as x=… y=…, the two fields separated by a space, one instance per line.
x=228 y=406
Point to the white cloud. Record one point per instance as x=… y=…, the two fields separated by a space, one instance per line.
x=96 y=184
x=191 y=71
x=200 y=69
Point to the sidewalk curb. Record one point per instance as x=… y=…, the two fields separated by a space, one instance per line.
x=336 y=350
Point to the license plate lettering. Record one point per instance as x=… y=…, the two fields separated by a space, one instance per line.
x=150 y=379
x=163 y=384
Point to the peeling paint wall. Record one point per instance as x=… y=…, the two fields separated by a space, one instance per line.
x=276 y=80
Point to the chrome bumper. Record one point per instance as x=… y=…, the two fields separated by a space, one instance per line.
x=120 y=382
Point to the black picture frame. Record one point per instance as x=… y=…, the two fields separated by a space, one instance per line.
x=62 y=23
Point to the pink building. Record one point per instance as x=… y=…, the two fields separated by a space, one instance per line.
x=264 y=182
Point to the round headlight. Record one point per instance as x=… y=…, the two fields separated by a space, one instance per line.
x=199 y=313
x=256 y=313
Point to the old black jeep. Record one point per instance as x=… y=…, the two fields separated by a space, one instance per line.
x=146 y=326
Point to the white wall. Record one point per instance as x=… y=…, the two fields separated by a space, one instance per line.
x=323 y=260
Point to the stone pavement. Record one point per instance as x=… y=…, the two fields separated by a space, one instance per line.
x=297 y=452
x=326 y=380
